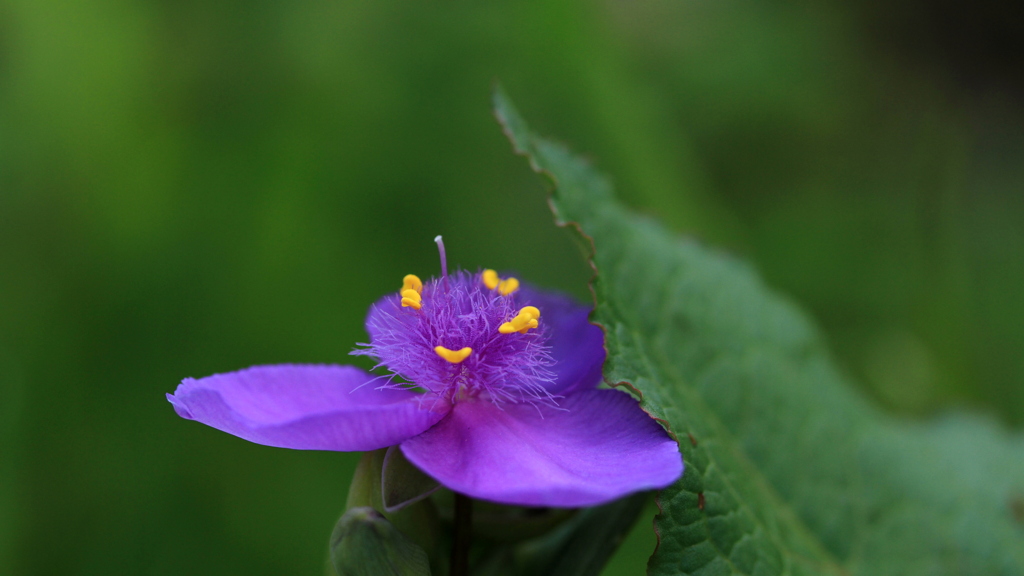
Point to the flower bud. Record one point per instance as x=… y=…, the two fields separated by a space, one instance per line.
x=416 y=517
x=364 y=543
x=402 y=483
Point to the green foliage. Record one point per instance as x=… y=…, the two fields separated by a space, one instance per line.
x=507 y=540
x=579 y=546
x=402 y=483
x=417 y=521
x=591 y=539
x=364 y=543
x=789 y=469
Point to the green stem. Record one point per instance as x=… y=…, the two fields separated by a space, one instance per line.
x=461 y=538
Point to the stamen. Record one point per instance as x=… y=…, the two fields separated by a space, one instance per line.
x=412 y=282
x=505 y=287
x=508 y=286
x=411 y=299
x=490 y=278
x=527 y=318
x=453 y=356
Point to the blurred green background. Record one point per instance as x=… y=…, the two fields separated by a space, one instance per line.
x=192 y=187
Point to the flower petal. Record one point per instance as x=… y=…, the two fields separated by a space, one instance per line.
x=597 y=446
x=306 y=407
x=576 y=345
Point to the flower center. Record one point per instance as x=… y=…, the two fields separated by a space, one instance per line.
x=462 y=336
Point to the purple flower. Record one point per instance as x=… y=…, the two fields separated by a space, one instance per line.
x=491 y=388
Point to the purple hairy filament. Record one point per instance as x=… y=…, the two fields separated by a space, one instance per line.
x=463 y=337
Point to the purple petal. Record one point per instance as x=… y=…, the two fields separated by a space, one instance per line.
x=306 y=407
x=576 y=345
x=599 y=445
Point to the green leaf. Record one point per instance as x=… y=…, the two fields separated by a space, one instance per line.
x=789 y=470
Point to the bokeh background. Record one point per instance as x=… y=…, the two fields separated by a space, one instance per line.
x=190 y=187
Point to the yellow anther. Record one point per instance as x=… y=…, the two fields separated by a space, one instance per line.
x=505 y=287
x=490 y=278
x=508 y=286
x=453 y=356
x=412 y=282
x=411 y=299
x=527 y=318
